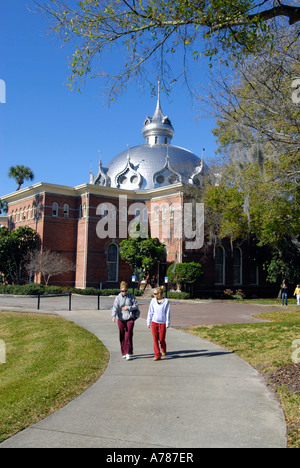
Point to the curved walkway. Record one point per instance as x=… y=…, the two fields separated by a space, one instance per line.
x=199 y=396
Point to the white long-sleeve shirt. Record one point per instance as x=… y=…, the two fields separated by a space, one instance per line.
x=159 y=312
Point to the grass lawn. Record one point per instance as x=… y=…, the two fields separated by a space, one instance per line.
x=267 y=347
x=49 y=361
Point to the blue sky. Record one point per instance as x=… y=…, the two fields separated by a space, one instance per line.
x=58 y=133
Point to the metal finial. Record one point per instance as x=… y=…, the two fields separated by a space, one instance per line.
x=158 y=84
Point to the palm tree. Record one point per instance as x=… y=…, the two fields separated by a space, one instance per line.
x=20 y=173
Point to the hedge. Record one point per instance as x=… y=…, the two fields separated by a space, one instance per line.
x=33 y=289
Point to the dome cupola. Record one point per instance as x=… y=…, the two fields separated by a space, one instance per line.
x=158 y=130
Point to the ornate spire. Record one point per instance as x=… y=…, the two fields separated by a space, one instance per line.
x=158 y=129
x=158 y=115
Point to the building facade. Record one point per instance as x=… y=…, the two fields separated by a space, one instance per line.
x=144 y=184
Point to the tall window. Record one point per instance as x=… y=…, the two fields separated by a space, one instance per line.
x=112 y=262
x=66 y=210
x=54 y=209
x=237 y=266
x=220 y=266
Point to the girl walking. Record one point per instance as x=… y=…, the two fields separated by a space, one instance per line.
x=159 y=319
x=127 y=310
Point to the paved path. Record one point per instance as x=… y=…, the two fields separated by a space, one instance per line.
x=185 y=314
x=199 y=396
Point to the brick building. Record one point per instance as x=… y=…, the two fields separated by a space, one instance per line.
x=143 y=184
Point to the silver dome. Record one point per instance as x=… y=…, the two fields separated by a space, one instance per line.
x=154 y=164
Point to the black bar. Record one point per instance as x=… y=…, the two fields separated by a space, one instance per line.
x=70 y=295
x=38 y=303
x=98 y=301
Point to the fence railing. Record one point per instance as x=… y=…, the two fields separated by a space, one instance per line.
x=69 y=295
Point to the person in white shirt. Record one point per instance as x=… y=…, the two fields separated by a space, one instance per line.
x=159 y=319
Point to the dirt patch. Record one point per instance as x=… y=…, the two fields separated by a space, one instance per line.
x=288 y=376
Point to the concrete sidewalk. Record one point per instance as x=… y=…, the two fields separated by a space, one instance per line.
x=199 y=396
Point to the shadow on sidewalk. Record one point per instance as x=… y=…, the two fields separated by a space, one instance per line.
x=183 y=354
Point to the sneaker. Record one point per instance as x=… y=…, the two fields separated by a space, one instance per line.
x=128 y=357
x=156 y=359
x=123 y=356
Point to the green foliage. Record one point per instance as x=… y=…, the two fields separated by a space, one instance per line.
x=185 y=274
x=178 y=295
x=145 y=29
x=142 y=253
x=257 y=198
x=20 y=173
x=14 y=248
x=285 y=264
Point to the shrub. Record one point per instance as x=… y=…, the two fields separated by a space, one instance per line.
x=185 y=274
x=178 y=295
x=55 y=290
x=32 y=289
x=239 y=294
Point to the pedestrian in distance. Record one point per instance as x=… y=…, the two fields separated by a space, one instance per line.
x=159 y=319
x=284 y=294
x=127 y=311
x=297 y=294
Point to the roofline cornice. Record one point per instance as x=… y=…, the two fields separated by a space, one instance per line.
x=84 y=189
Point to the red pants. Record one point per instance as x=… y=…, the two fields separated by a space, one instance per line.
x=159 y=331
x=126 y=335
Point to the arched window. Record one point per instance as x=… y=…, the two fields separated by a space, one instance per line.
x=66 y=210
x=220 y=265
x=54 y=209
x=112 y=262
x=237 y=266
